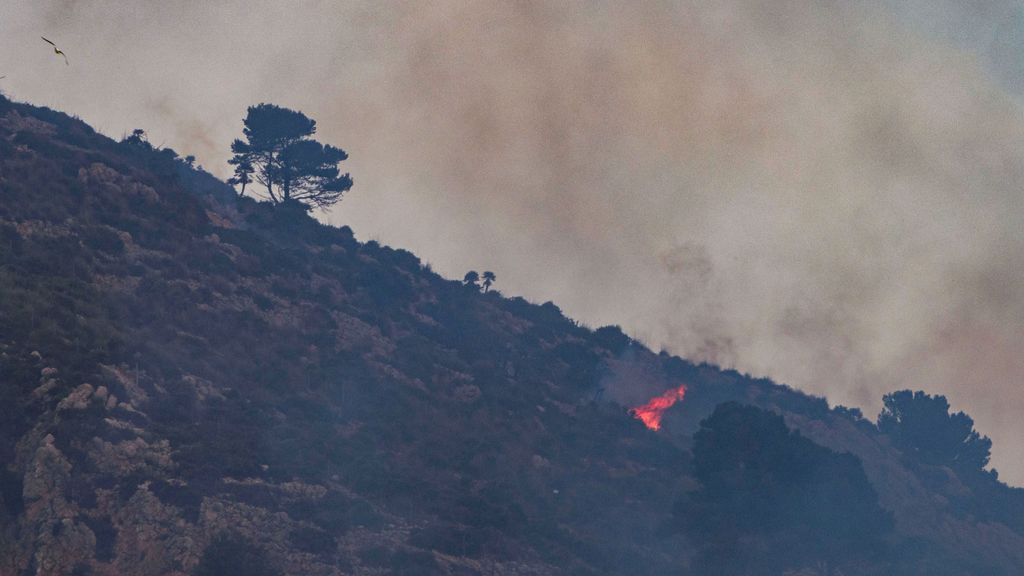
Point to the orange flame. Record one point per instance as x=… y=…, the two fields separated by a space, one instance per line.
x=652 y=412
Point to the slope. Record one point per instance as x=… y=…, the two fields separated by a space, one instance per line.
x=189 y=374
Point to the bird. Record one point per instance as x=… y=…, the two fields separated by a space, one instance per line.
x=57 y=51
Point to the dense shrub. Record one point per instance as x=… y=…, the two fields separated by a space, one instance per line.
x=233 y=554
x=771 y=499
x=922 y=425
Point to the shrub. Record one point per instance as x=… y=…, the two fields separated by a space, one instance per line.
x=232 y=554
x=771 y=499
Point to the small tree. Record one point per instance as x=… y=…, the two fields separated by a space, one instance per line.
x=921 y=424
x=279 y=154
x=243 y=174
x=471 y=278
x=137 y=138
x=489 y=279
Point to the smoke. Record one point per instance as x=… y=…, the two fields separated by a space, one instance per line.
x=824 y=192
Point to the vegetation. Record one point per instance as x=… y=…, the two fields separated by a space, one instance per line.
x=243 y=174
x=488 y=280
x=233 y=554
x=279 y=154
x=346 y=410
x=772 y=500
x=922 y=425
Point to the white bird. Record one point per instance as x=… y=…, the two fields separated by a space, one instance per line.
x=57 y=51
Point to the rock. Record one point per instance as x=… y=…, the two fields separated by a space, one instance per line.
x=467 y=393
x=59 y=542
x=44 y=389
x=130 y=456
x=129 y=379
x=47 y=474
x=62 y=545
x=48 y=372
x=78 y=399
x=153 y=540
x=15 y=122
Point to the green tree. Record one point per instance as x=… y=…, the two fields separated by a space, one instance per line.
x=280 y=154
x=921 y=424
x=471 y=279
x=489 y=279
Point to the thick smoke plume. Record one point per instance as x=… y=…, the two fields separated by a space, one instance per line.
x=824 y=192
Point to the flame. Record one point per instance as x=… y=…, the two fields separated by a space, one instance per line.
x=652 y=412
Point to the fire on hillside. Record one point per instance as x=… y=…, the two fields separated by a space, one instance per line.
x=652 y=412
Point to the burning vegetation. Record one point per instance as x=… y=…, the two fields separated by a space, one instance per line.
x=652 y=412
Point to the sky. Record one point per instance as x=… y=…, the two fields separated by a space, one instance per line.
x=824 y=192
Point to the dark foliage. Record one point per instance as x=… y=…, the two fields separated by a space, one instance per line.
x=922 y=424
x=771 y=499
x=313 y=541
x=106 y=537
x=233 y=554
x=279 y=154
x=271 y=352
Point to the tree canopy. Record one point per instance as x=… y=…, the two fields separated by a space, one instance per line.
x=489 y=279
x=771 y=499
x=230 y=553
x=279 y=153
x=922 y=425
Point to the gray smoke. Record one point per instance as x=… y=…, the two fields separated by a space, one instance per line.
x=823 y=192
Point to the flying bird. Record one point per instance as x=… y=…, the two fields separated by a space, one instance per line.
x=57 y=51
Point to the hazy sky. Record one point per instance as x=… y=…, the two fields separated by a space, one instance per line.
x=826 y=192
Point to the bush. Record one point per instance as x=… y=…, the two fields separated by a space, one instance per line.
x=771 y=499
x=313 y=541
x=232 y=554
x=921 y=425
x=612 y=338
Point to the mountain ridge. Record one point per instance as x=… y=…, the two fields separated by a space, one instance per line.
x=186 y=367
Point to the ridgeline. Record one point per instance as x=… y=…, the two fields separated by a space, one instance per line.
x=195 y=383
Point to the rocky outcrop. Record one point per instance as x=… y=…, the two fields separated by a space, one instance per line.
x=58 y=541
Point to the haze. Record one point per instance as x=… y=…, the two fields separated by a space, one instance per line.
x=827 y=193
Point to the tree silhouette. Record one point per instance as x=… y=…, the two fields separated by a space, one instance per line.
x=471 y=278
x=771 y=499
x=138 y=139
x=282 y=156
x=243 y=173
x=489 y=279
x=921 y=424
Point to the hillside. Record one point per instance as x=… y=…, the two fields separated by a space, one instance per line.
x=194 y=380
